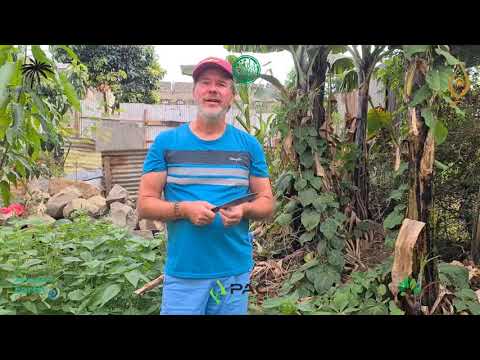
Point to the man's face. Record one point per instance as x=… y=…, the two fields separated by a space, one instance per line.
x=213 y=94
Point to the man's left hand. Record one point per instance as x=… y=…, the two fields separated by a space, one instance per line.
x=232 y=215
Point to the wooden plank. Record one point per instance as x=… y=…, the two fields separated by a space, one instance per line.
x=107 y=174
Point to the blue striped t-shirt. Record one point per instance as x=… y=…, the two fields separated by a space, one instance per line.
x=216 y=171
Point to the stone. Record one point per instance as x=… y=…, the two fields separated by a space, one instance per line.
x=38 y=185
x=147 y=224
x=123 y=215
x=75 y=204
x=117 y=194
x=97 y=206
x=56 y=203
x=86 y=190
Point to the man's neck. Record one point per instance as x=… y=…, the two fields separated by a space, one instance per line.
x=206 y=130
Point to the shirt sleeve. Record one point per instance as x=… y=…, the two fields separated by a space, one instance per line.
x=258 y=166
x=155 y=159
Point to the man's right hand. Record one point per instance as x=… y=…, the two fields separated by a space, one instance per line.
x=198 y=212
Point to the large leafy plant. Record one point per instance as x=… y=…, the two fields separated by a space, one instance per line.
x=30 y=117
x=95 y=265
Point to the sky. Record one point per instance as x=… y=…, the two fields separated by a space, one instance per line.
x=172 y=56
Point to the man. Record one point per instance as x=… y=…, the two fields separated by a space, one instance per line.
x=200 y=165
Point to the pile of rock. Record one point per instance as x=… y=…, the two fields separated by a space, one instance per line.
x=60 y=198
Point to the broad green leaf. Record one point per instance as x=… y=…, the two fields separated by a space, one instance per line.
x=321 y=247
x=439 y=132
x=413 y=49
x=109 y=293
x=340 y=218
x=308 y=174
x=420 y=95
x=7 y=71
x=319 y=204
x=30 y=307
x=284 y=219
x=381 y=290
x=300 y=184
x=316 y=182
x=474 y=308
x=32 y=262
x=326 y=279
x=310 y=219
x=296 y=276
x=291 y=206
x=133 y=277
x=329 y=228
x=307 y=159
x=437 y=78
x=39 y=55
x=5 y=192
x=150 y=255
x=283 y=182
x=8 y=312
x=393 y=219
x=341 y=300
x=307 y=236
x=394 y=309
x=428 y=116
x=466 y=294
x=69 y=52
x=300 y=147
x=76 y=295
x=335 y=258
x=70 y=259
x=7 y=267
x=397 y=194
x=70 y=92
x=451 y=60
x=306 y=197
x=337 y=243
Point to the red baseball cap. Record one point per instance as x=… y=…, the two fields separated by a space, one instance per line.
x=212 y=62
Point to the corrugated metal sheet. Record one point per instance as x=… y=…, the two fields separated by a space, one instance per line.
x=123 y=167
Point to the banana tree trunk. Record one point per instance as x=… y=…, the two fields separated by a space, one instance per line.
x=475 y=248
x=317 y=81
x=360 y=175
x=421 y=146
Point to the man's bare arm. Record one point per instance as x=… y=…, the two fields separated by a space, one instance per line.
x=262 y=207
x=151 y=206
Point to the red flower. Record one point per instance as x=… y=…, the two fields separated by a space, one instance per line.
x=17 y=209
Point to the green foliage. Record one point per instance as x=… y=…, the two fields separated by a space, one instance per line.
x=95 y=265
x=453 y=276
x=435 y=91
x=366 y=294
x=33 y=115
x=131 y=71
x=377 y=119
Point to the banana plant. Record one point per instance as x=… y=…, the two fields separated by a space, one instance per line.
x=364 y=62
x=28 y=118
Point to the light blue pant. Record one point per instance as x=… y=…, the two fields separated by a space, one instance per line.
x=205 y=296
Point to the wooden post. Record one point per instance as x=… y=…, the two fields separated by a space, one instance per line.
x=145 y=128
x=107 y=173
